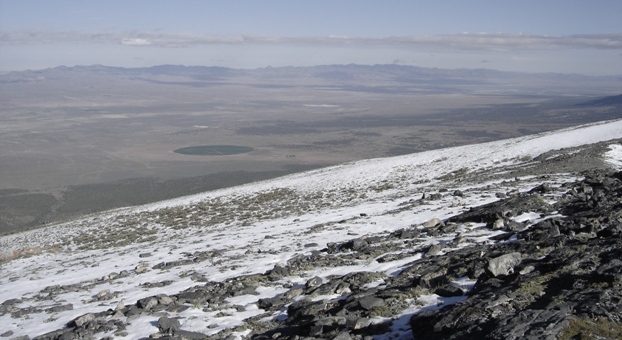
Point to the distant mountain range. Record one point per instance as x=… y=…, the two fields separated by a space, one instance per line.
x=397 y=75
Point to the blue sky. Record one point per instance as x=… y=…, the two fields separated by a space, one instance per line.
x=529 y=36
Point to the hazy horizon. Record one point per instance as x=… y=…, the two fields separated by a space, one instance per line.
x=316 y=65
x=556 y=36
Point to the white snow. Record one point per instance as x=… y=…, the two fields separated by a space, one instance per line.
x=349 y=200
x=614 y=155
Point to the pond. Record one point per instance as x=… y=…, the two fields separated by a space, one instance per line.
x=213 y=150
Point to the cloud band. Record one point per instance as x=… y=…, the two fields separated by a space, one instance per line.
x=465 y=41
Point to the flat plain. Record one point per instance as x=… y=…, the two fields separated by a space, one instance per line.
x=76 y=140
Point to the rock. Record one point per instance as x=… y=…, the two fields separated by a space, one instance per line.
x=187 y=335
x=279 y=271
x=359 y=244
x=61 y=308
x=448 y=290
x=542 y=188
x=192 y=297
x=313 y=283
x=343 y=336
x=435 y=222
x=498 y=224
x=11 y=302
x=148 y=303
x=164 y=299
x=433 y=277
x=103 y=295
x=434 y=250
x=431 y=197
x=83 y=319
x=512 y=206
x=526 y=270
x=504 y=264
x=513 y=226
x=406 y=234
x=57 y=334
x=168 y=325
x=141 y=268
x=292 y=293
x=273 y=303
x=370 y=302
x=358 y=323
x=120 y=305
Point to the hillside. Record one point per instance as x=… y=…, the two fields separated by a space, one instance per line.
x=606 y=101
x=518 y=237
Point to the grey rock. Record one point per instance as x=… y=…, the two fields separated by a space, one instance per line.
x=141 y=268
x=11 y=302
x=370 y=302
x=272 y=303
x=168 y=325
x=188 y=335
x=434 y=250
x=313 y=283
x=83 y=319
x=292 y=293
x=192 y=297
x=498 y=224
x=343 y=336
x=164 y=299
x=434 y=222
x=504 y=264
x=148 y=303
x=61 y=308
x=448 y=290
x=359 y=244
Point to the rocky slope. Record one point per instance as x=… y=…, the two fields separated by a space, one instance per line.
x=526 y=247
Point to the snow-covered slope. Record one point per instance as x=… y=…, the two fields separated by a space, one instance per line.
x=89 y=265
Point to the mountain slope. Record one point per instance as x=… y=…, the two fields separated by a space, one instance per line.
x=606 y=101
x=251 y=244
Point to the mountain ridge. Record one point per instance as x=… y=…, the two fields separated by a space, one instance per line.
x=262 y=249
x=170 y=69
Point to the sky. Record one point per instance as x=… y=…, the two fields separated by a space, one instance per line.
x=564 y=36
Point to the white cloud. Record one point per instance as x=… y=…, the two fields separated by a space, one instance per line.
x=464 y=41
x=136 y=42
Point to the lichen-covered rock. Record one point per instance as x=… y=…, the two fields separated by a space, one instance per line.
x=504 y=264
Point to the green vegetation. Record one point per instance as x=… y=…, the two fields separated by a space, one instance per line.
x=213 y=150
x=582 y=328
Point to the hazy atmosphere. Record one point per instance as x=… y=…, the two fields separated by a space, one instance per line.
x=528 y=36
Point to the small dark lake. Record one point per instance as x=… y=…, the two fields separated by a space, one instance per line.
x=213 y=150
